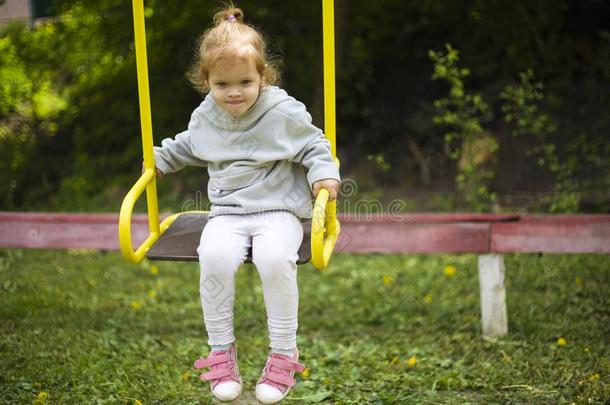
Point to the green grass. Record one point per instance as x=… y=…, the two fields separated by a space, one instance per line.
x=81 y=327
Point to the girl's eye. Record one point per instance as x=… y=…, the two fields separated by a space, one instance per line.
x=245 y=82
x=221 y=84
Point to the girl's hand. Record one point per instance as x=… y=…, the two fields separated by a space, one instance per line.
x=331 y=185
x=159 y=172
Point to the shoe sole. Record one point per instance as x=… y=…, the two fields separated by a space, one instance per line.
x=227 y=399
x=274 y=402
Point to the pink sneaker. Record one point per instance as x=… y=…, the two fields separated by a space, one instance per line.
x=225 y=381
x=277 y=377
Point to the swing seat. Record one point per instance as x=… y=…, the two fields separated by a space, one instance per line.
x=179 y=242
x=178 y=236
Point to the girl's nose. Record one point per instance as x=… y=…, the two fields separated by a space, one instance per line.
x=233 y=92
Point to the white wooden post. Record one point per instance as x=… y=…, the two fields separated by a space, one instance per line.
x=493 y=295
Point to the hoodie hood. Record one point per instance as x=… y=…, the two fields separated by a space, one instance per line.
x=269 y=97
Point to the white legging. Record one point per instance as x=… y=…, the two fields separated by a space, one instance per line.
x=275 y=237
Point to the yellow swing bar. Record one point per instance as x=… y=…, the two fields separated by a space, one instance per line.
x=325 y=226
x=148 y=179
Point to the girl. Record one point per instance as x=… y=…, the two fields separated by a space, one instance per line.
x=256 y=141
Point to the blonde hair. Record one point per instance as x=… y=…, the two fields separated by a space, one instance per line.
x=231 y=37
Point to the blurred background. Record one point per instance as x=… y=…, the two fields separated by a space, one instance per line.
x=447 y=105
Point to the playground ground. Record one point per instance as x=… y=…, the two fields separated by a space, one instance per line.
x=82 y=326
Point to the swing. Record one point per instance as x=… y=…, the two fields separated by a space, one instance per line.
x=177 y=236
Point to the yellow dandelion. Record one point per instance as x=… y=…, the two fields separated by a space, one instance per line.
x=305 y=373
x=186 y=375
x=578 y=281
x=594 y=377
x=136 y=305
x=154 y=270
x=41 y=398
x=428 y=298
x=561 y=342
x=42 y=395
x=387 y=280
x=449 y=270
x=152 y=294
x=412 y=361
x=137 y=402
x=505 y=357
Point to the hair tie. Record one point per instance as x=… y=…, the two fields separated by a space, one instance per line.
x=231 y=18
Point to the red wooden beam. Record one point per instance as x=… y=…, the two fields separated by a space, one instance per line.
x=66 y=230
x=405 y=233
x=553 y=234
x=67 y=217
x=404 y=237
x=425 y=217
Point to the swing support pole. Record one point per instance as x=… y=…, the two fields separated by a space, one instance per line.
x=325 y=227
x=147 y=181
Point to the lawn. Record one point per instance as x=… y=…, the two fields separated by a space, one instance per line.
x=87 y=327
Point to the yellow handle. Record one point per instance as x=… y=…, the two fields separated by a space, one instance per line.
x=146 y=181
x=325 y=230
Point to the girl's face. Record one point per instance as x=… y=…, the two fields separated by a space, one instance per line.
x=235 y=84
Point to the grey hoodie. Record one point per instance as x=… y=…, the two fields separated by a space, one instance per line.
x=255 y=162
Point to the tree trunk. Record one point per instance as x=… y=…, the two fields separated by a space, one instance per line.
x=420 y=160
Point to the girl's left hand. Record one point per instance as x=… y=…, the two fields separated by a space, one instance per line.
x=331 y=185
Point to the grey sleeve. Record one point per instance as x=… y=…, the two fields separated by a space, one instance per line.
x=315 y=155
x=174 y=154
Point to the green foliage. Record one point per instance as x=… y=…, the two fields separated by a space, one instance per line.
x=29 y=105
x=87 y=327
x=461 y=114
x=42 y=98
x=69 y=124
x=379 y=161
x=521 y=108
x=460 y=111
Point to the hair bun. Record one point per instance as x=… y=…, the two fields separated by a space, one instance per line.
x=229 y=14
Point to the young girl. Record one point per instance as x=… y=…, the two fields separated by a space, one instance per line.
x=264 y=159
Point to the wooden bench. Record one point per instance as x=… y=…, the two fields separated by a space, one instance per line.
x=488 y=235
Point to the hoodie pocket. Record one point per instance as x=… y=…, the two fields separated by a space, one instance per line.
x=236 y=181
